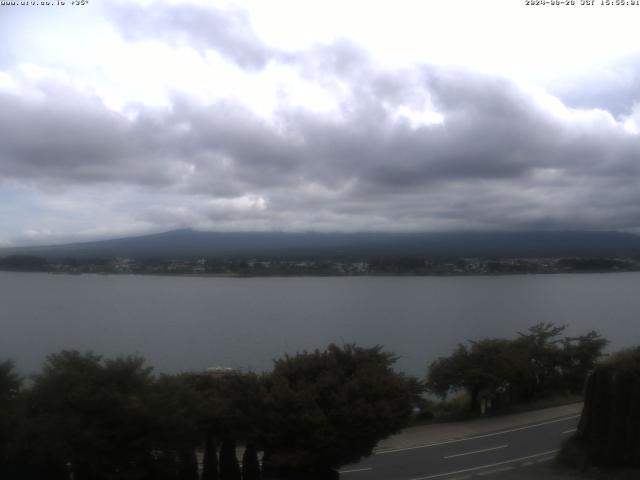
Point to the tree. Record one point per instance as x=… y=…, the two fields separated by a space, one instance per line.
x=187 y=465
x=10 y=384
x=176 y=431
x=541 y=346
x=232 y=409
x=580 y=356
x=232 y=403
x=91 y=413
x=24 y=263
x=325 y=409
x=504 y=371
x=609 y=429
x=210 y=459
x=250 y=463
x=229 y=467
x=487 y=370
x=449 y=373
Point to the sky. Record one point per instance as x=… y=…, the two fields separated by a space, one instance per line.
x=130 y=117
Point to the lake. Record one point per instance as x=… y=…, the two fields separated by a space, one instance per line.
x=190 y=323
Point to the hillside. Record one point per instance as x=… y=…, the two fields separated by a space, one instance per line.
x=183 y=244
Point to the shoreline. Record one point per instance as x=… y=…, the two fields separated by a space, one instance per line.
x=321 y=275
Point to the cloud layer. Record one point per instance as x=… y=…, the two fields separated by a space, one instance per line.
x=419 y=148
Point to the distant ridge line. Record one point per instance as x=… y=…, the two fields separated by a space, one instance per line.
x=189 y=244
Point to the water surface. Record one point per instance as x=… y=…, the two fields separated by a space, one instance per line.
x=187 y=323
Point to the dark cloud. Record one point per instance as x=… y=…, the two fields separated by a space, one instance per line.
x=65 y=136
x=502 y=156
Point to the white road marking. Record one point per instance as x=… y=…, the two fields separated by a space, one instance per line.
x=482 y=467
x=495 y=470
x=466 y=439
x=569 y=431
x=476 y=451
x=356 y=470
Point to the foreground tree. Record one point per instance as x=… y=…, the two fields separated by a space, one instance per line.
x=229 y=466
x=176 y=431
x=90 y=415
x=537 y=363
x=609 y=430
x=580 y=356
x=10 y=383
x=210 y=459
x=250 y=463
x=188 y=465
x=555 y=364
x=541 y=346
x=329 y=408
x=487 y=370
x=232 y=410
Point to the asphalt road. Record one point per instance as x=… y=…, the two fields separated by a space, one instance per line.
x=480 y=456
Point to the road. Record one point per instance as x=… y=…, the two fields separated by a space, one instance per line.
x=485 y=455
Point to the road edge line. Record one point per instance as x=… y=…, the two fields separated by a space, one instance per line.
x=481 y=467
x=475 y=437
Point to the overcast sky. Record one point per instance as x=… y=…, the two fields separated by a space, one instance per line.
x=127 y=117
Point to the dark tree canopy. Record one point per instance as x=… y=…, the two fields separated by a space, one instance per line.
x=24 y=263
x=99 y=419
x=537 y=363
x=330 y=408
x=250 y=463
x=10 y=384
x=91 y=413
x=229 y=466
x=580 y=355
x=609 y=428
x=233 y=403
x=177 y=410
x=484 y=369
x=209 y=459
